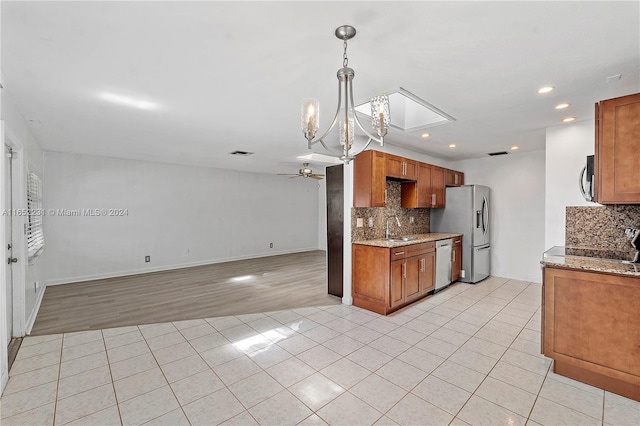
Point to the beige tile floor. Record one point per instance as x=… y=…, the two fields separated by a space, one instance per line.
x=468 y=355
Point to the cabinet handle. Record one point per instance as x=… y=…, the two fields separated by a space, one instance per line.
x=422 y=264
x=433 y=199
x=404 y=168
x=456 y=178
x=399 y=253
x=404 y=270
x=454 y=255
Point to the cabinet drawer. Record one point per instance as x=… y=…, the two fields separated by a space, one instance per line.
x=412 y=250
x=457 y=241
x=398 y=253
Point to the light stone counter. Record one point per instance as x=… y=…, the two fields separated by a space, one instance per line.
x=588 y=260
x=420 y=238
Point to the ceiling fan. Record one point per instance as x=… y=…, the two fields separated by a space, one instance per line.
x=304 y=172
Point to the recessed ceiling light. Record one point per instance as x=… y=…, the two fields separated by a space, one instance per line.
x=128 y=101
x=562 y=105
x=452 y=145
x=425 y=135
x=513 y=148
x=545 y=89
x=568 y=119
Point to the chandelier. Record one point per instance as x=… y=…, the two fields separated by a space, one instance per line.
x=345 y=117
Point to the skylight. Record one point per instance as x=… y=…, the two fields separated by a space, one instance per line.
x=409 y=112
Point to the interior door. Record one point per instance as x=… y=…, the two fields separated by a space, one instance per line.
x=9 y=254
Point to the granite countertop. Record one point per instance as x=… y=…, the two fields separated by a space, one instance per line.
x=419 y=239
x=589 y=259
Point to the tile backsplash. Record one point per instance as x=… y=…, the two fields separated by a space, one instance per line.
x=420 y=223
x=601 y=227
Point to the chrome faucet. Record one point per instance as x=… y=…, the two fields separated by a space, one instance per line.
x=387 y=234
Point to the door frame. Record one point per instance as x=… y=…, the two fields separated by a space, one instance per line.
x=18 y=201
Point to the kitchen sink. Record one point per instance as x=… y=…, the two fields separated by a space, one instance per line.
x=400 y=239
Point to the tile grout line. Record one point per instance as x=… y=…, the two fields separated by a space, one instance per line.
x=113 y=384
x=55 y=407
x=163 y=375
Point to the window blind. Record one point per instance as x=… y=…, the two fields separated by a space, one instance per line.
x=35 y=235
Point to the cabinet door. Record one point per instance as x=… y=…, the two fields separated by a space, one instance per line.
x=410 y=169
x=412 y=278
x=450 y=178
x=437 y=187
x=618 y=150
x=427 y=272
x=424 y=185
x=395 y=166
x=456 y=262
x=459 y=179
x=396 y=289
x=369 y=179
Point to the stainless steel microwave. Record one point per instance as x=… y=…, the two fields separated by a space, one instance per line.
x=586 y=181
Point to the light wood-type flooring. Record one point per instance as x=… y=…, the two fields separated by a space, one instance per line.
x=230 y=288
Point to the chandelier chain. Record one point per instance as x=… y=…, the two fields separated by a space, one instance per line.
x=345 y=60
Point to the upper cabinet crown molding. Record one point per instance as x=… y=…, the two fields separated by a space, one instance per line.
x=617 y=150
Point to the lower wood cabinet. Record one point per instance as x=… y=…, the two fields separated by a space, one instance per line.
x=590 y=328
x=456 y=259
x=384 y=279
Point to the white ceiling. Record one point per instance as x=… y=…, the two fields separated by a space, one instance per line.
x=232 y=75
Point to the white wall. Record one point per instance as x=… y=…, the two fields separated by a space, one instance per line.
x=178 y=215
x=517 y=210
x=567 y=147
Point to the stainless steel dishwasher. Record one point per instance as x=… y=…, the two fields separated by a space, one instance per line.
x=443 y=263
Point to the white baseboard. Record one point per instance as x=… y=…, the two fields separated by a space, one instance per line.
x=32 y=318
x=170 y=267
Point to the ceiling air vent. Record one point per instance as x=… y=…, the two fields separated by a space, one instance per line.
x=498 y=153
x=241 y=153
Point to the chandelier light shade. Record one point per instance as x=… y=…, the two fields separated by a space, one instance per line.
x=346 y=117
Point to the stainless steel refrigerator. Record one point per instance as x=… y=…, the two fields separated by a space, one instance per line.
x=467 y=212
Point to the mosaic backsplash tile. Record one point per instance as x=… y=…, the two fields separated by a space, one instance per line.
x=420 y=223
x=601 y=227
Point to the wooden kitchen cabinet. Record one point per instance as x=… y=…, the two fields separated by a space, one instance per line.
x=590 y=328
x=453 y=178
x=418 y=194
x=617 y=150
x=437 y=187
x=384 y=280
x=369 y=179
x=456 y=259
x=401 y=168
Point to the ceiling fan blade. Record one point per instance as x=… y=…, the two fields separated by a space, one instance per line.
x=316 y=177
x=295 y=176
x=287 y=174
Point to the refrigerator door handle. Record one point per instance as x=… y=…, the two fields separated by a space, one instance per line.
x=485 y=215
x=478 y=218
x=484 y=248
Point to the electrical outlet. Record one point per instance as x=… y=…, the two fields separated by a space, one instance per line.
x=359 y=222
x=411 y=219
x=270 y=245
x=147 y=259
x=370 y=222
x=462 y=273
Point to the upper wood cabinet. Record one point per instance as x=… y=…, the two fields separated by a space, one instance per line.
x=401 y=168
x=437 y=187
x=453 y=178
x=617 y=150
x=418 y=194
x=423 y=185
x=369 y=179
